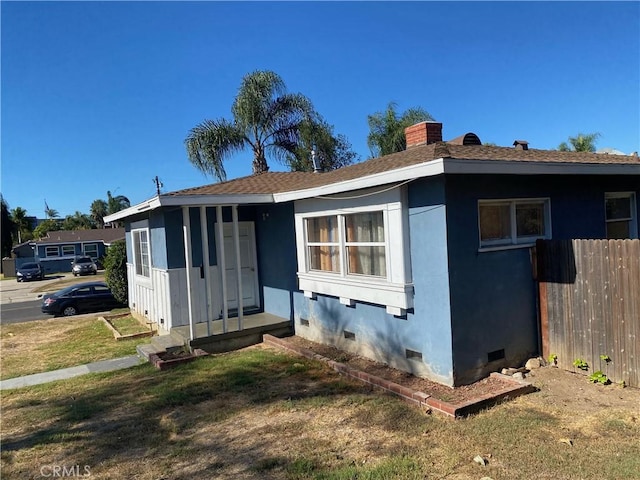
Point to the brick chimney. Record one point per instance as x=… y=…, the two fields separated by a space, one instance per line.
x=423 y=133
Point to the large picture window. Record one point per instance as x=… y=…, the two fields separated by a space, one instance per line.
x=358 y=238
x=620 y=215
x=513 y=222
x=141 y=255
x=356 y=249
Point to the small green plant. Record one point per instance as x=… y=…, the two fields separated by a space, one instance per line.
x=581 y=364
x=599 y=377
x=605 y=358
x=553 y=359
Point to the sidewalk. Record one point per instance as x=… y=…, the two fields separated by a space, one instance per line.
x=96 y=367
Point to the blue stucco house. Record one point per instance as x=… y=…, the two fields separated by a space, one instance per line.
x=59 y=248
x=421 y=259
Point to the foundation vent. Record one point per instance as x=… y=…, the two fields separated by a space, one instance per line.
x=304 y=322
x=495 y=355
x=349 y=335
x=413 y=355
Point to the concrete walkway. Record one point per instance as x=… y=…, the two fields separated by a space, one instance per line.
x=63 y=374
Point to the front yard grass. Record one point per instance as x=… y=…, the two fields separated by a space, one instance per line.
x=260 y=413
x=44 y=345
x=127 y=325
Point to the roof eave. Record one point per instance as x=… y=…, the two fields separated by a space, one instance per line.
x=177 y=200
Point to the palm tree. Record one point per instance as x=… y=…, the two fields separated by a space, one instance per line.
x=583 y=142
x=117 y=203
x=77 y=221
x=265 y=118
x=98 y=211
x=21 y=222
x=50 y=213
x=386 y=129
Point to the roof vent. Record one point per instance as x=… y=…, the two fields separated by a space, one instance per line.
x=521 y=145
x=423 y=133
x=467 y=139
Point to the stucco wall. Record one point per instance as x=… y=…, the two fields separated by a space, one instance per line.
x=493 y=294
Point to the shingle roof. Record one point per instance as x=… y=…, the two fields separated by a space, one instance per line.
x=278 y=182
x=107 y=235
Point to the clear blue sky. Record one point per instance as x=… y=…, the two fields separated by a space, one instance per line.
x=100 y=96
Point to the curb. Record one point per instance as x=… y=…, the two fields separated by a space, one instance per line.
x=419 y=399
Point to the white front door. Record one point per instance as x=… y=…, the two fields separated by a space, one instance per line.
x=248 y=267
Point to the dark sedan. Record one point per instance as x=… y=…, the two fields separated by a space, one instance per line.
x=80 y=298
x=30 y=271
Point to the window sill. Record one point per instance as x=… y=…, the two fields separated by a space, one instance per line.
x=396 y=297
x=498 y=248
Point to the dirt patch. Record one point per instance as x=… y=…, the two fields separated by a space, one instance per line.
x=455 y=396
x=558 y=388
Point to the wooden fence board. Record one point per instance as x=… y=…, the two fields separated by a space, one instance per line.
x=590 y=304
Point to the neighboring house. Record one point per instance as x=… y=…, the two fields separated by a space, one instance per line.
x=421 y=259
x=58 y=249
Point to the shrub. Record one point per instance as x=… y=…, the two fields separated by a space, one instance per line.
x=115 y=265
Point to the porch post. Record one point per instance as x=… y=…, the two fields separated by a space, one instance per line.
x=205 y=266
x=186 y=230
x=236 y=241
x=223 y=268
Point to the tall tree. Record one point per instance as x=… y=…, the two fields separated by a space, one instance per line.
x=97 y=211
x=583 y=142
x=7 y=227
x=317 y=139
x=50 y=213
x=265 y=118
x=48 y=225
x=386 y=129
x=117 y=203
x=77 y=221
x=22 y=224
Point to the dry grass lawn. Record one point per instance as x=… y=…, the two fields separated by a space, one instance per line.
x=261 y=413
x=45 y=345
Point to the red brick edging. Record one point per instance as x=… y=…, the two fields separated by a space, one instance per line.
x=419 y=399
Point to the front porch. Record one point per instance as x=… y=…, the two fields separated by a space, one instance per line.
x=240 y=333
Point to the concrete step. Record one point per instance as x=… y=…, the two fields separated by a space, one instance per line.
x=147 y=349
x=168 y=343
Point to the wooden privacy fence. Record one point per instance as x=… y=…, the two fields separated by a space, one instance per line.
x=590 y=304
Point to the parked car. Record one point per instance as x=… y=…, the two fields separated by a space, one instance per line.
x=30 y=271
x=83 y=266
x=80 y=298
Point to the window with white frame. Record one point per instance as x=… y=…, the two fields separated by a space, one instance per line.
x=141 y=256
x=620 y=210
x=68 y=250
x=356 y=249
x=52 y=251
x=91 y=250
x=513 y=222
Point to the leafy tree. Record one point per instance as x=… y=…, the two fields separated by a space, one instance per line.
x=331 y=151
x=97 y=211
x=115 y=264
x=48 y=225
x=22 y=224
x=7 y=227
x=583 y=142
x=265 y=118
x=77 y=221
x=386 y=129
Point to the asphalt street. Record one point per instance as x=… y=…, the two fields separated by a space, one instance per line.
x=21 y=312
